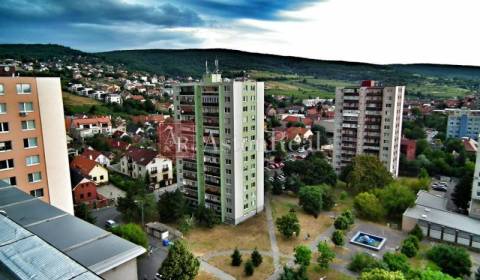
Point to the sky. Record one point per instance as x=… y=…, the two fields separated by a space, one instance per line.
x=375 y=31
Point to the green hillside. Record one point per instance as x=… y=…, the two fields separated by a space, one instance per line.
x=286 y=75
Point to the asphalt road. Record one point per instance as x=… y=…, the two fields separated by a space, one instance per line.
x=149 y=264
x=104 y=214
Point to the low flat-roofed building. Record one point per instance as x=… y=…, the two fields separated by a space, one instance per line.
x=102 y=252
x=23 y=255
x=438 y=223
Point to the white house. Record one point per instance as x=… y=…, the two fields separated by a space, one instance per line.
x=137 y=163
x=113 y=98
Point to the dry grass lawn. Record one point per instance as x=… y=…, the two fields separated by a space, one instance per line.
x=75 y=100
x=202 y=275
x=261 y=272
x=247 y=235
x=281 y=204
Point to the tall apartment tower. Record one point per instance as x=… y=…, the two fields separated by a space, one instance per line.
x=474 y=209
x=33 y=144
x=463 y=123
x=225 y=120
x=368 y=120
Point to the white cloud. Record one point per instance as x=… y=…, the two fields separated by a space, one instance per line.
x=377 y=31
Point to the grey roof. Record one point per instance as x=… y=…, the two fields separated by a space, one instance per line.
x=431 y=200
x=23 y=255
x=429 y=212
x=91 y=246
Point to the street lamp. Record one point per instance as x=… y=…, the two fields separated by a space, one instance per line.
x=140 y=202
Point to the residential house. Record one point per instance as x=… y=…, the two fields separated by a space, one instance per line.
x=85 y=190
x=118 y=144
x=113 y=98
x=408 y=148
x=138 y=162
x=298 y=134
x=84 y=127
x=97 y=156
x=90 y=168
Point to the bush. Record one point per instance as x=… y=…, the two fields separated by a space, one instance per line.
x=338 y=238
x=249 y=268
x=396 y=262
x=350 y=217
x=257 y=259
x=417 y=231
x=325 y=255
x=132 y=233
x=368 y=206
x=206 y=217
x=451 y=260
x=341 y=223
x=236 y=258
x=364 y=262
x=381 y=274
x=409 y=248
x=414 y=240
x=288 y=225
x=311 y=199
x=303 y=255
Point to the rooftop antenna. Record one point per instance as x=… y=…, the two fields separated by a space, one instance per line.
x=206 y=66
x=216 y=66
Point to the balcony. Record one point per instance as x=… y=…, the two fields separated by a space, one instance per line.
x=189 y=176
x=190 y=167
x=212 y=164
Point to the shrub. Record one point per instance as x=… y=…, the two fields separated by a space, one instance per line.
x=338 y=238
x=396 y=262
x=341 y=223
x=414 y=240
x=288 y=225
x=249 y=268
x=417 y=231
x=368 y=206
x=409 y=248
x=236 y=258
x=303 y=255
x=451 y=260
x=364 y=262
x=257 y=259
x=132 y=233
x=381 y=274
x=325 y=255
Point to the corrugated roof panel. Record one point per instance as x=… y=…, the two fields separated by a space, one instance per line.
x=69 y=231
x=28 y=257
x=31 y=212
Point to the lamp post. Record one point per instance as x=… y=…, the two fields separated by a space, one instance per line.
x=140 y=202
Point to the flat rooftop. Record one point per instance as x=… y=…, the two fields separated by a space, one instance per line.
x=431 y=208
x=25 y=256
x=90 y=246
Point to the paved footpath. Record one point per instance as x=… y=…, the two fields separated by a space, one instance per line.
x=273 y=239
x=220 y=274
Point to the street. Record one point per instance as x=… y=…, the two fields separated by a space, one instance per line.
x=148 y=265
x=107 y=213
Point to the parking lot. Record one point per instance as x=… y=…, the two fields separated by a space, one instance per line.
x=450 y=184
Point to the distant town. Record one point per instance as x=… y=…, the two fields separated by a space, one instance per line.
x=109 y=173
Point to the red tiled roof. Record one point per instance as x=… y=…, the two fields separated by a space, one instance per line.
x=117 y=144
x=97 y=120
x=83 y=164
x=307 y=121
x=291 y=119
x=141 y=156
x=292 y=132
x=91 y=154
x=137 y=97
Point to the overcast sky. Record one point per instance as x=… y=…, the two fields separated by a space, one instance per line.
x=377 y=31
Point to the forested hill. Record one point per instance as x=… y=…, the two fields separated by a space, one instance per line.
x=191 y=62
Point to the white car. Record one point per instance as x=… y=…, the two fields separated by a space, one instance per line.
x=110 y=224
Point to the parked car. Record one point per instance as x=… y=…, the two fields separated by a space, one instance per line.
x=281 y=177
x=110 y=224
x=270 y=179
x=158 y=276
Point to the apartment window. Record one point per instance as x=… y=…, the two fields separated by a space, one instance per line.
x=252 y=137
x=32 y=160
x=25 y=107
x=228 y=171
x=2 y=89
x=28 y=125
x=245 y=108
x=10 y=180
x=34 y=177
x=5 y=146
x=227 y=109
x=37 y=193
x=24 y=88
x=30 y=142
x=227 y=98
x=228 y=161
x=4 y=127
x=3 y=108
x=6 y=164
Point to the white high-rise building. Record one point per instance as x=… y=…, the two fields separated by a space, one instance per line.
x=226 y=117
x=474 y=209
x=368 y=120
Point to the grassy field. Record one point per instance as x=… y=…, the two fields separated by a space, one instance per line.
x=314 y=273
x=248 y=235
x=261 y=272
x=281 y=205
x=75 y=100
